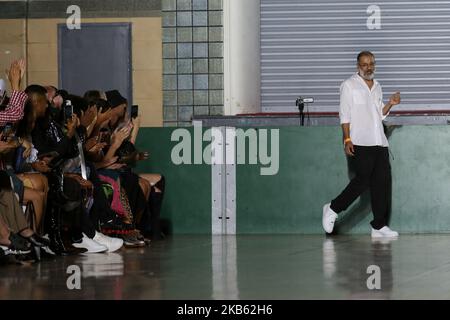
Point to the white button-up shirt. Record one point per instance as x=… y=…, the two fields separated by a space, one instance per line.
x=363 y=109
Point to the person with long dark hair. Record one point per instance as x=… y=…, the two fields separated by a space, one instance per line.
x=49 y=137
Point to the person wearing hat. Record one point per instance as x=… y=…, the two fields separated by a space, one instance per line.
x=13 y=106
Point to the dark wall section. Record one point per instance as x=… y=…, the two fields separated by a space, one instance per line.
x=89 y=8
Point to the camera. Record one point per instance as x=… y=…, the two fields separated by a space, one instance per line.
x=303 y=100
x=300 y=103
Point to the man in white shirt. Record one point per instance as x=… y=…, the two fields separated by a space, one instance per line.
x=361 y=114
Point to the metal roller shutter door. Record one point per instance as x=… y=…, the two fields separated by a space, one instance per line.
x=309 y=47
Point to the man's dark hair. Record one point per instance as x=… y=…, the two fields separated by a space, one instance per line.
x=114 y=98
x=35 y=89
x=78 y=103
x=92 y=96
x=102 y=104
x=364 y=54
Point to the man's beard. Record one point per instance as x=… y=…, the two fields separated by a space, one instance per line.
x=366 y=76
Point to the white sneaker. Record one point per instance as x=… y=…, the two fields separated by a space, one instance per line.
x=113 y=244
x=384 y=232
x=328 y=218
x=10 y=251
x=91 y=245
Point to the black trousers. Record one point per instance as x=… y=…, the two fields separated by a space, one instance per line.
x=80 y=220
x=373 y=171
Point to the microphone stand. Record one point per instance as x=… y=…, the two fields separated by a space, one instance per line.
x=301 y=107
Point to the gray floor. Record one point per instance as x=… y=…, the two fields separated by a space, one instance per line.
x=246 y=267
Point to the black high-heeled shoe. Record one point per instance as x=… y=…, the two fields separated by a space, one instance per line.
x=18 y=246
x=57 y=244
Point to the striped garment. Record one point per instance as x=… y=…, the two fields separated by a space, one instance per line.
x=14 y=109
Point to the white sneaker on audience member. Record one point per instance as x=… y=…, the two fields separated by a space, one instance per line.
x=384 y=232
x=91 y=245
x=113 y=244
x=328 y=218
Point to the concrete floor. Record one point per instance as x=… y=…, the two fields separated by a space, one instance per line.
x=246 y=267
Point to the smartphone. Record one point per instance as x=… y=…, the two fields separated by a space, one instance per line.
x=7 y=131
x=103 y=135
x=134 y=111
x=68 y=110
x=105 y=138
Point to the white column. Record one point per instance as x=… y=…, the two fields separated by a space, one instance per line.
x=223 y=181
x=242 y=83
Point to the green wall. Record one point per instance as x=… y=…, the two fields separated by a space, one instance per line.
x=187 y=202
x=313 y=170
